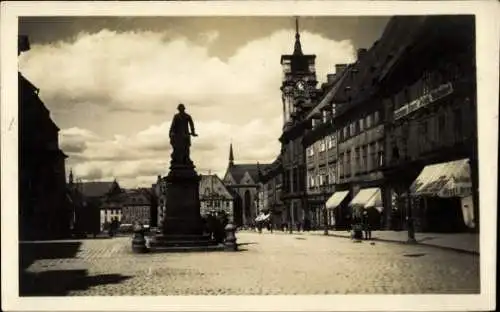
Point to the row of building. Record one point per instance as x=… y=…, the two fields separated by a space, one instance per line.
x=396 y=131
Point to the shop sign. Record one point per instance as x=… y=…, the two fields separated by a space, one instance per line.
x=426 y=99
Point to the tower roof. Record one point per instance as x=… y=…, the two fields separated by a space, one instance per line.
x=297 y=50
x=231 y=155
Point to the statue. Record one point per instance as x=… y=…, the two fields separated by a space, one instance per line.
x=181 y=130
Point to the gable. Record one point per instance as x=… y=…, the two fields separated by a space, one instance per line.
x=228 y=178
x=247 y=179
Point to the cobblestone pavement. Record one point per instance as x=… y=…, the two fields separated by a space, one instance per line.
x=266 y=265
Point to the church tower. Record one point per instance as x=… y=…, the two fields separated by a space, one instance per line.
x=299 y=82
x=231 y=155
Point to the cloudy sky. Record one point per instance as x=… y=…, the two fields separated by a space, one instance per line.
x=112 y=85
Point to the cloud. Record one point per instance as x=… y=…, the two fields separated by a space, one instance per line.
x=134 y=77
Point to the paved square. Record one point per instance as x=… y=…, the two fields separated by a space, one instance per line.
x=268 y=264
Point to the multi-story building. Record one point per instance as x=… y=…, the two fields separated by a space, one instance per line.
x=271 y=181
x=430 y=106
x=299 y=94
x=320 y=142
x=136 y=207
x=44 y=208
x=215 y=197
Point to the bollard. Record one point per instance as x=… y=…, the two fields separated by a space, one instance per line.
x=230 y=240
x=139 y=241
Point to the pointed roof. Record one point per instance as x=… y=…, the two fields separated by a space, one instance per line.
x=231 y=155
x=297 y=49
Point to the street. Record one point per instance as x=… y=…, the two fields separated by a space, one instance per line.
x=267 y=264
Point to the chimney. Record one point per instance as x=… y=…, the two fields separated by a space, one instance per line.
x=361 y=53
x=330 y=78
x=340 y=68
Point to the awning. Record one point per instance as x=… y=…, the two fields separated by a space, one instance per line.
x=451 y=179
x=375 y=201
x=364 y=196
x=336 y=199
x=262 y=217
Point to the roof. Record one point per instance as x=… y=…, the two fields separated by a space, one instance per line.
x=95 y=189
x=214 y=184
x=136 y=197
x=238 y=171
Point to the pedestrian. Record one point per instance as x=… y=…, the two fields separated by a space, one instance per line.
x=366 y=226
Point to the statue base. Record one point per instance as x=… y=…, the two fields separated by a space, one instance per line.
x=182 y=227
x=183 y=243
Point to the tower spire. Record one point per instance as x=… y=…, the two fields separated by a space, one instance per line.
x=231 y=155
x=70 y=179
x=297 y=50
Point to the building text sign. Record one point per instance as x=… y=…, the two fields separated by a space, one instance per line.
x=436 y=94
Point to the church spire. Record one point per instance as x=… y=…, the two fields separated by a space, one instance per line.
x=231 y=156
x=70 y=178
x=297 y=50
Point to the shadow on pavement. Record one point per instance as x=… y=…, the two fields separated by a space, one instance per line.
x=61 y=282
x=29 y=252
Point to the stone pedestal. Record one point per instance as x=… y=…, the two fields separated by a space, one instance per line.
x=182 y=227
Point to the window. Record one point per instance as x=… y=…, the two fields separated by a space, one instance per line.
x=311 y=150
x=376 y=118
x=341 y=165
x=345 y=132
x=373 y=156
x=380 y=158
x=364 y=156
x=325 y=116
x=348 y=164
x=369 y=121
x=352 y=129
x=330 y=141
x=357 y=165
x=361 y=124
x=321 y=179
x=322 y=146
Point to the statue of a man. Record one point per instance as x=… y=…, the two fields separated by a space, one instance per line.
x=181 y=130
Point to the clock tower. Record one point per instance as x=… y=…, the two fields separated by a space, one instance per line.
x=299 y=82
x=298 y=94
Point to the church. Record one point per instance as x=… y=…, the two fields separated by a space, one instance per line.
x=242 y=180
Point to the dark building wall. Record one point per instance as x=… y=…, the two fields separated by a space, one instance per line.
x=44 y=207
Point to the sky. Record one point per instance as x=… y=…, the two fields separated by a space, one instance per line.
x=112 y=85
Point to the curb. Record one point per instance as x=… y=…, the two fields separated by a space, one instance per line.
x=417 y=243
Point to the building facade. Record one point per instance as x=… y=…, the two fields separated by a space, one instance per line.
x=432 y=127
x=215 y=197
x=242 y=181
x=271 y=179
x=44 y=207
x=136 y=207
